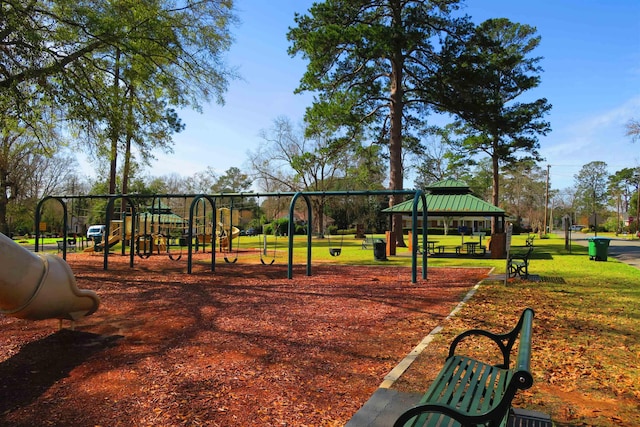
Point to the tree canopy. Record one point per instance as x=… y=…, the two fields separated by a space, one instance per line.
x=369 y=62
x=591 y=187
x=479 y=81
x=633 y=129
x=116 y=68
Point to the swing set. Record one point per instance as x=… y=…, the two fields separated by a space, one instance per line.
x=146 y=239
x=336 y=251
x=227 y=232
x=158 y=231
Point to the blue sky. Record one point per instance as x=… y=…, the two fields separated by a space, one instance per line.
x=591 y=51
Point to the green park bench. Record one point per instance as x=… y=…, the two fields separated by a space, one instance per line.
x=469 y=392
x=518 y=264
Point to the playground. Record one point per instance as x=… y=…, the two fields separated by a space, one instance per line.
x=176 y=343
x=243 y=346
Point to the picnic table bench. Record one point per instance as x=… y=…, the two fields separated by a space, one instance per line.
x=441 y=249
x=469 y=392
x=474 y=248
x=518 y=264
x=371 y=240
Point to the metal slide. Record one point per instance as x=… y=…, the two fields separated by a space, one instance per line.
x=40 y=286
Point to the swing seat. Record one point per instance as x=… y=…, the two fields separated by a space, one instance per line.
x=335 y=251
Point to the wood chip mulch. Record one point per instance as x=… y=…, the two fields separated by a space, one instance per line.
x=241 y=346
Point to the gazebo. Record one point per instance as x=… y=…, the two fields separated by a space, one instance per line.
x=450 y=203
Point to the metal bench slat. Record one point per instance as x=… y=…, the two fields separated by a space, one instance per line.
x=457 y=385
x=471 y=388
x=434 y=420
x=442 y=381
x=494 y=378
x=480 y=403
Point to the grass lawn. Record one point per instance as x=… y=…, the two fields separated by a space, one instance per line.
x=586 y=353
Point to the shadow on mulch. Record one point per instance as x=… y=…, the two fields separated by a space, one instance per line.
x=40 y=364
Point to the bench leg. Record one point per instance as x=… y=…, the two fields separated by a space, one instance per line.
x=521 y=270
x=524 y=273
x=512 y=270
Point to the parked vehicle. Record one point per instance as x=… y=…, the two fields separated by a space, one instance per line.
x=95 y=231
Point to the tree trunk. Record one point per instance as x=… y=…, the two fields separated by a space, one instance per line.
x=114 y=131
x=495 y=191
x=395 y=149
x=127 y=152
x=638 y=211
x=4 y=201
x=4 y=184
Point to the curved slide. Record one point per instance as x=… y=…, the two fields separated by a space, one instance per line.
x=112 y=241
x=223 y=240
x=40 y=286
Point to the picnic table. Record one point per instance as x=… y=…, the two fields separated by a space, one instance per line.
x=470 y=247
x=431 y=246
x=480 y=234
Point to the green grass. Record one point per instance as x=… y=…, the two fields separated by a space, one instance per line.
x=32 y=241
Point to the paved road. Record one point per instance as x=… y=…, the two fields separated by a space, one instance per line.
x=627 y=251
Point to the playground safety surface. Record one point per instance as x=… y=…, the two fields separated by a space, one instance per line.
x=241 y=346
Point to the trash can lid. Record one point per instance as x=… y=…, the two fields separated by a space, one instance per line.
x=598 y=238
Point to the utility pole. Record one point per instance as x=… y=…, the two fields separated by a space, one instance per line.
x=546 y=203
x=638 y=203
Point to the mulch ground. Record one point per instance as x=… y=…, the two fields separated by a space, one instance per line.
x=241 y=346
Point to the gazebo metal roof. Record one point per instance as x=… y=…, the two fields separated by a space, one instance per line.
x=450 y=198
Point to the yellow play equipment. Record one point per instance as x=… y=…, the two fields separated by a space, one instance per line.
x=39 y=286
x=226 y=227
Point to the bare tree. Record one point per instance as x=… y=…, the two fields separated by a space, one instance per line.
x=292 y=161
x=633 y=129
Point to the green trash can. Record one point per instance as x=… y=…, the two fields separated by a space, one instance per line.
x=598 y=248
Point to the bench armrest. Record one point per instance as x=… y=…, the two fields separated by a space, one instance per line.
x=498 y=339
x=523 y=361
x=505 y=341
